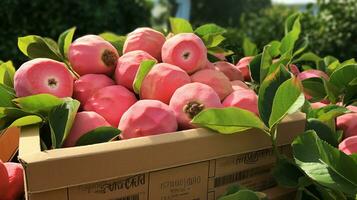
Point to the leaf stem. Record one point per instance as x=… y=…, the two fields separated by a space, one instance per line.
x=71 y=69
x=273 y=136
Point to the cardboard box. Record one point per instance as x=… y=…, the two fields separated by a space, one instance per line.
x=9 y=143
x=195 y=164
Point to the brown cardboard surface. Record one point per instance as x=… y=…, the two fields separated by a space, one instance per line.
x=76 y=167
x=9 y=143
x=61 y=194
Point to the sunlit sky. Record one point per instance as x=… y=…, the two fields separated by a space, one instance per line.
x=294 y=1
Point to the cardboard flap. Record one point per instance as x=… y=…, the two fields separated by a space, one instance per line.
x=67 y=167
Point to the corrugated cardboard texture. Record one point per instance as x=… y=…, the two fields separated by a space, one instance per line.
x=9 y=143
x=71 y=167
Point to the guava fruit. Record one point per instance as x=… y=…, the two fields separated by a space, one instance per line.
x=242 y=65
x=244 y=99
x=229 y=70
x=349 y=145
x=16 y=181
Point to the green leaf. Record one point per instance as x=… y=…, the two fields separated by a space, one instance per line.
x=179 y=25
x=27 y=120
x=343 y=76
x=241 y=195
x=116 y=40
x=265 y=63
x=286 y=173
x=144 y=69
x=65 y=40
x=212 y=40
x=302 y=46
x=6 y=97
x=254 y=67
x=34 y=46
x=288 y=99
x=350 y=95
x=309 y=56
x=323 y=131
x=290 y=22
x=289 y=40
x=249 y=48
x=228 y=120
x=315 y=88
x=332 y=91
x=209 y=29
x=39 y=103
x=215 y=50
x=325 y=164
x=61 y=119
x=7 y=72
x=274 y=48
x=267 y=92
x=98 y=135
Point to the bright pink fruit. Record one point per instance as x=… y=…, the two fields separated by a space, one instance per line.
x=145 y=39
x=147 y=117
x=294 y=69
x=43 y=75
x=348 y=122
x=209 y=65
x=312 y=73
x=242 y=65
x=239 y=85
x=185 y=50
x=16 y=181
x=229 y=70
x=111 y=102
x=215 y=79
x=349 y=145
x=190 y=99
x=83 y=123
x=91 y=54
x=128 y=65
x=162 y=81
x=86 y=85
x=245 y=99
x=4 y=180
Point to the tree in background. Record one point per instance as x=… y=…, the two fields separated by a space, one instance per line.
x=51 y=18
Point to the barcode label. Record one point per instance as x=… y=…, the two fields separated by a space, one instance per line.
x=131 y=197
x=231 y=178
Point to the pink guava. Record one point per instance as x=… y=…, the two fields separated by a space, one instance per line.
x=229 y=70
x=215 y=79
x=16 y=181
x=147 y=117
x=86 y=85
x=242 y=65
x=162 y=81
x=312 y=73
x=83 y=123
x=43 y=75
x=294 y=69
x=349 y=145
x=145 y=39
x=244 y=99
x=128 y=65
x=348 y=122
x=190 y=99
x=111 y=102
x=91 y=54
x=209 y=65
x=239 y=85
x=4 y=180
x=185 y=50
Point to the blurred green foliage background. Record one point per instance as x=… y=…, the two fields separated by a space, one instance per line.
x=330 y=25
